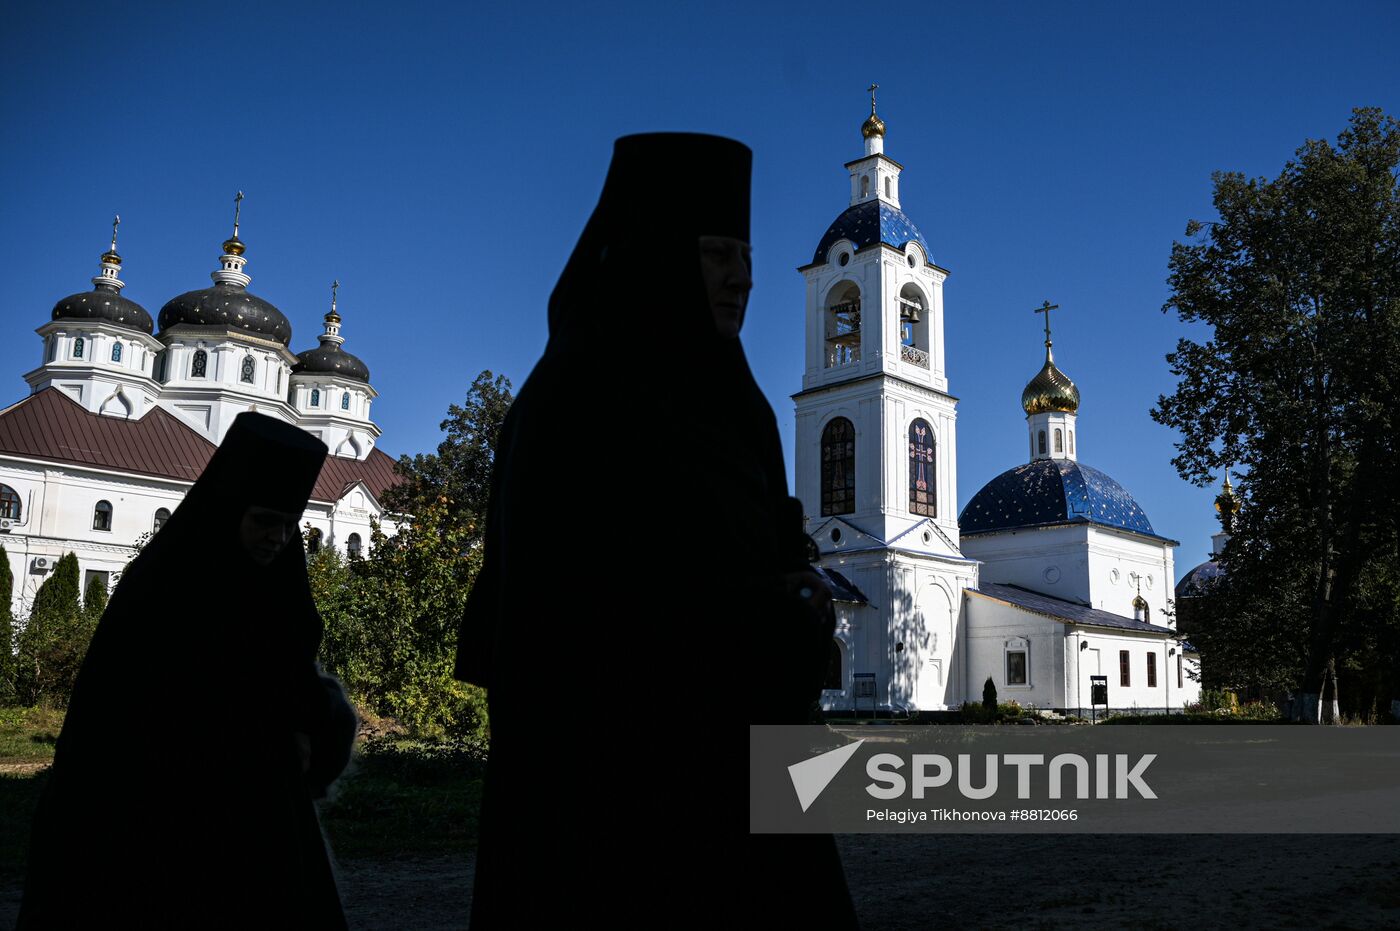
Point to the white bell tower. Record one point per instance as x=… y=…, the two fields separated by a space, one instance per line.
x=876 y=454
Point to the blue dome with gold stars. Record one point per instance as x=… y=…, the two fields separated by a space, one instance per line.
x=870 y=222
x=1052 y=491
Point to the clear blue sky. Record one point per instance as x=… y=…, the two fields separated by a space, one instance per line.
x=440 y=160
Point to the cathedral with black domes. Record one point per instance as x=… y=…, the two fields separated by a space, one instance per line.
x=124 y=411
x=1051 y=579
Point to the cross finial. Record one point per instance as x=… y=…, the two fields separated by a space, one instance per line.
x=237 y=209
x=1045 y=309
x=116 y=222
x=335 y=286
x=871 y=91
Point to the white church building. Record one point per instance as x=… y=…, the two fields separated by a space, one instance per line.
x=122 y=416
x=1051 y=576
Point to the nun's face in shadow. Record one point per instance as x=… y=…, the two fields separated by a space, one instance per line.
x=265 y=533
x=727 y=266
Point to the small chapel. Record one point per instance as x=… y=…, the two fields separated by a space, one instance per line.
x=125 y=410
x=1049 y=582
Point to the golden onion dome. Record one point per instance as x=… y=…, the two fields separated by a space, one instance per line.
x=873 y=126
x=1227 y=505
x=233 y=246
x=1050 y=390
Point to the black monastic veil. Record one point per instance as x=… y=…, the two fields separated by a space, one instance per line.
x=177 y=796
x=631 y=610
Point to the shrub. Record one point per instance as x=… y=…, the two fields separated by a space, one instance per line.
x=989 y=695
x=54 y=639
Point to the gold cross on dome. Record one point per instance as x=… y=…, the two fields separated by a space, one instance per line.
x=871 y=91
x=116 y=222
x=335 y=286
x=237 y=209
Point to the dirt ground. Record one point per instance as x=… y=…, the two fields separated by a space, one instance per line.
x=1143 y=882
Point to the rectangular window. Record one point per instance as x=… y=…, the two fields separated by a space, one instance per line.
x=1152 y=670
x=1178 y=672
x=1124 y=679
x=91 y=574
x=1016 y=667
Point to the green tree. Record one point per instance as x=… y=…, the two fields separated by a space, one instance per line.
x=1295 y=388
x=460 y=470
x=391 y=622
x=7 y=630
x=54 y=639
x=94 y=601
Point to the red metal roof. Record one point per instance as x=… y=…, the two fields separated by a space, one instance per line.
x=376 y=470
x=53 y=427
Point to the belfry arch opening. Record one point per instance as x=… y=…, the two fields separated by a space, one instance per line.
x=842 y=321
x=912 y=308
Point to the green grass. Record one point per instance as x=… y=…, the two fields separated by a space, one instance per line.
x=27 y=735
x=1193 y=718
x=374 y=817
x=399 y=799
x=19 y=796
x=406 y=799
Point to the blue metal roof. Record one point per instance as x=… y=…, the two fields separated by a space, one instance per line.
x=1064 y=610
x=868 y=223
x=1052 y=491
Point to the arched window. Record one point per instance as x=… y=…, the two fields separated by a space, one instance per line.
x=838 y=467
x=315 y=397
x=249 y=367
x=163 y=358
x=200 y=364
x=116 y=352
x=834 y=679
x=352 y=546
x=864 y=185
x=78 y=347
x=887 y=188
x=1071 y=442
x=162 y=515
x=102 y=516
x=279 y=379
x=313 y=540
x=1059 y=440
x=1041 y=442
x=345 y=401
x=922 y=488
x=9 y=503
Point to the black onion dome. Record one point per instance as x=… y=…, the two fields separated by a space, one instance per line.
x=1200 y=580
x=104 y=303
x=330 y=359
x=227 y=305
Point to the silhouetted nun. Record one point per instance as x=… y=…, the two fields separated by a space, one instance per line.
x=180 y=794
x=639 y=596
